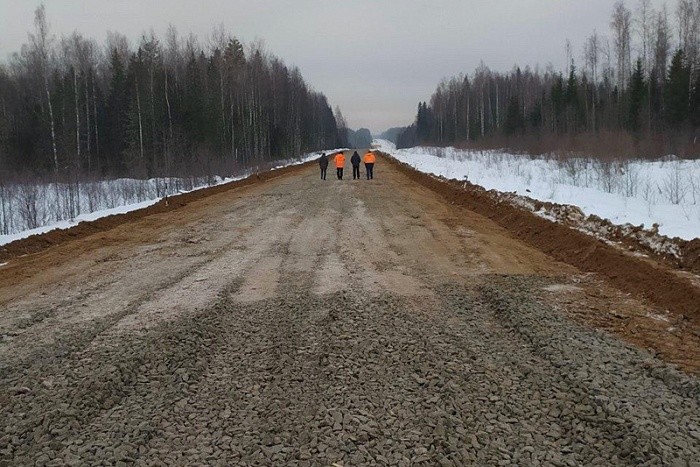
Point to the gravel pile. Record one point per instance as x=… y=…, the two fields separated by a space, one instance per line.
x=484 y=375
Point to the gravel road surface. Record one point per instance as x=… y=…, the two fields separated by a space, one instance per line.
x=346 y=323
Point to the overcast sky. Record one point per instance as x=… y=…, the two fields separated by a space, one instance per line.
x=374 y=58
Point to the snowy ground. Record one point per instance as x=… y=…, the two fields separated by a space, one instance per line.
x=45 y=205
x=664 y=192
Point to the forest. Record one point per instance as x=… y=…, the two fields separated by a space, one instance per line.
x=172 y=106
x=633 y=92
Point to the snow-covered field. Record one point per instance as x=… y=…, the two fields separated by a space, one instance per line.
x=27 y=210
x=664 y=192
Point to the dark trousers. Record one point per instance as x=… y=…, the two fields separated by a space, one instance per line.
x=355 y=172
x=323 y=173
x=370 y=171
x=340 y=173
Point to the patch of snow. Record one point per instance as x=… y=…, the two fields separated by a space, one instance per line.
x=664 y=192
x=4 y=239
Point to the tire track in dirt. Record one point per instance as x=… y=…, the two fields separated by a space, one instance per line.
x=141 y=292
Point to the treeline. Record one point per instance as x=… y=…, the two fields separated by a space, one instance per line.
x=359 y=139
x=165 y=107
x=634 y=92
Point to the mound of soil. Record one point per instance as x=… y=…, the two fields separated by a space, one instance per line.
x=691 y=255
x=40 y=242
x=672 y=251
x=654 y=282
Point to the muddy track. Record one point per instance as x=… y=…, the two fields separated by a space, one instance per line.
x=296 y=322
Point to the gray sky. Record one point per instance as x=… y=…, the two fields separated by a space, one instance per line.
x=376 y=59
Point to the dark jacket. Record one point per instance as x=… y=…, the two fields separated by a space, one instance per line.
x=355 y=160
x=323 y=161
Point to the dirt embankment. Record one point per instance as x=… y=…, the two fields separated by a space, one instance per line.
x=656 y=283
x=37 y=243
x=672 y=251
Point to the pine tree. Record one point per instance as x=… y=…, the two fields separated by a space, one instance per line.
x=535 y=116
x=637 y=97
x=676 y=92
x=571 y=97
x=694 y=110
x=558 y=102
x=515 y=121
x=422 y=123
x=115 y=128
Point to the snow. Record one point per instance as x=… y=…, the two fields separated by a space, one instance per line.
x=664 y=192
x=4 y=239
x=113 y=185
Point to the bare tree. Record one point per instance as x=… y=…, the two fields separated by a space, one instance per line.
x=621 y=24
x=481 y=78
x=662 y=43
x=170 y=66
x=685 y=13
x=41 y=42
x=71 y=48
x=94 y=62
x=675 y=185
x=151 y=53
x=28 y=198
x=644 y=27
x=140 y=120
x=591 y=53
x=219 y=39
x=467 y=92
x=342 y=125
x=118 y=43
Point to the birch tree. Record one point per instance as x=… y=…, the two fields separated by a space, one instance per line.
x=42 y=41
x=591 y=54
x=621 y=24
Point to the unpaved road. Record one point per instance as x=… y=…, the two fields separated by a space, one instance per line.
x=300 y=322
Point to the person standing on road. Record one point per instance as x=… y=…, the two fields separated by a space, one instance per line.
x=323 y=163
x=340 y=164
x=355 y=161
x=369 y=160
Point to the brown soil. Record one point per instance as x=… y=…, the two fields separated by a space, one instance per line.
x=691 y=255
x=674 y=252
x=656 y=283
x=634 y=239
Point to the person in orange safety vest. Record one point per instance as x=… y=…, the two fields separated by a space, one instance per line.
x=339 y=164
x=369 y=161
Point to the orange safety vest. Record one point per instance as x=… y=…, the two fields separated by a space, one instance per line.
x=340 y=160
x=369 y=158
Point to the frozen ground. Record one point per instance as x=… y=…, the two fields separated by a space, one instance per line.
x=664 y=192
